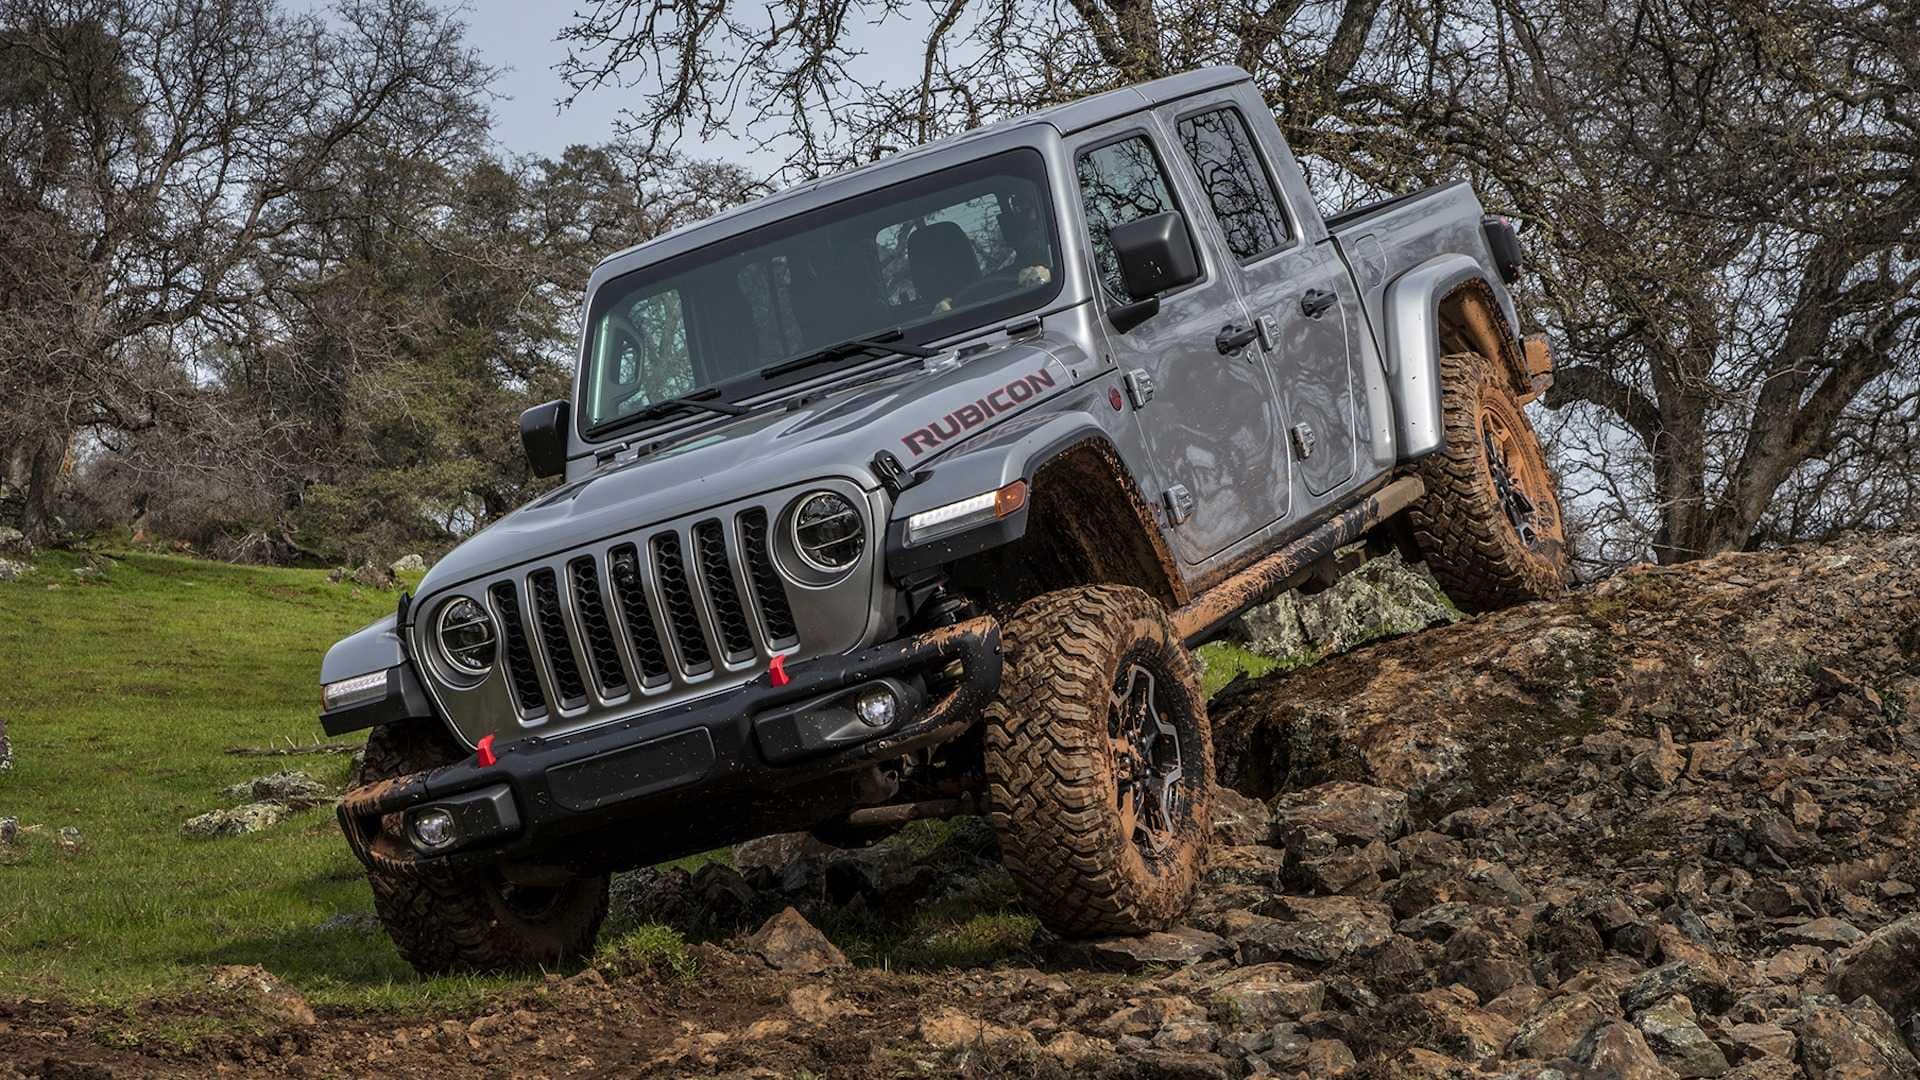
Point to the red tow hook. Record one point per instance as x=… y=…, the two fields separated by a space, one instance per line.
x=777 y=671
x=483 y=753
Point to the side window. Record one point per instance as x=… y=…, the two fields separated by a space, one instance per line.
x=1120 y=182
x=1221 y=149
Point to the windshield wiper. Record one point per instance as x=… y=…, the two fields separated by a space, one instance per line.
x=700 y=399
x=882 y=343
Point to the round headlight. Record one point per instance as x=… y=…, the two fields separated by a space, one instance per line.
x=467 y=637
x=828 y=532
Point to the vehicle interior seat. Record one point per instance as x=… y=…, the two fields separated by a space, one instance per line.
x=942 y=261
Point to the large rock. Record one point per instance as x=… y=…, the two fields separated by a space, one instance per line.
x=1319 y=931
x=1853 y=1042
x=1619 y=1052
x=1384 y=598
x=1268 y=993
x=261 y=992
x=1456 y=716
x=1884 y=967
x=1671 y=1030
x=296 y=789
x=237 y=821
x=951 y=1029
x=1176 y=947
x=408 y=564
x=1559 y=1026
x=14 y=569
x=788 y=942
x=1350 y=813
x=14 y=543
x=1702 y=984
x=1239 y=820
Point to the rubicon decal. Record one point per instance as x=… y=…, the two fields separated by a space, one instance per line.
x=967 y=417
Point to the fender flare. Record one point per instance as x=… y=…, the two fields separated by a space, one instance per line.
x=1013 y=451
x=1412 y=310
x=370 y=650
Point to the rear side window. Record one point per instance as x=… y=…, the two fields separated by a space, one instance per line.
x=1243 y=199
x=1120 y=182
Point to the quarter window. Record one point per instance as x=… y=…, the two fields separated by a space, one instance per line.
x=1120 y=182
x=1243 y=199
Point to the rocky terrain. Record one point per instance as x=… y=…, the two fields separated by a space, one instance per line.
x=1668 y=826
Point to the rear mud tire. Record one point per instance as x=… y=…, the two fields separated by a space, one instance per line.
x=1463 y=524
x=1058 y=794
x=472 y=920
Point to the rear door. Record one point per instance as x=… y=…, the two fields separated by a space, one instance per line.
x=1298 y=291
x=1209 y=419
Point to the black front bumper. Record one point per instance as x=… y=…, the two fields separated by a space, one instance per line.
x=566 y=785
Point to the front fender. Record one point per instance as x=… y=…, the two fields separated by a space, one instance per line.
x=370 y=650
x=1412 y=313
x=988 y=462
x=374 y=647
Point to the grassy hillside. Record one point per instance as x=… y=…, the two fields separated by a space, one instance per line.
x=123 y=694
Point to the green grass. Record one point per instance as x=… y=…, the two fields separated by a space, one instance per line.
x=1226 y=662
x=122 y=695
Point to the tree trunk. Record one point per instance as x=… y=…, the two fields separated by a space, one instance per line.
x=44 y=474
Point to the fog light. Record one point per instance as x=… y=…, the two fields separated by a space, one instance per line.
x=877 y=708
x=432 y=829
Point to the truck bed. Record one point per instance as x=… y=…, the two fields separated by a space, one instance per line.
x=1381 y=240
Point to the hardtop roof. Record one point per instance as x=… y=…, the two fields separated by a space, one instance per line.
x=1066 y=118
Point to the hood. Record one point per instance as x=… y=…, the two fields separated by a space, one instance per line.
x=916 y=413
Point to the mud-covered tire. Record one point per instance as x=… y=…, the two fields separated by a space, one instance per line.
x=471 y=920
x=1054 y=772
x=1462 y=526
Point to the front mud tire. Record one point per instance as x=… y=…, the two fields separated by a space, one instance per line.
x=1489 y=525
x=471 y=920
x=1063 y=762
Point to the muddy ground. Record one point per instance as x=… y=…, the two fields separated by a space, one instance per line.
x=1665 y=827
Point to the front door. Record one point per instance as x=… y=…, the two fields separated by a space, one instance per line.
x=1210 y=418
x=1299 y=292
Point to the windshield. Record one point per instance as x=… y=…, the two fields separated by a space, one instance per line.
x=933 y=256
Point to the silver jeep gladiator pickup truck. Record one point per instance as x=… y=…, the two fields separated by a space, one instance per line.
x=905 y=493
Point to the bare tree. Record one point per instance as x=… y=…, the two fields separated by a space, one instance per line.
x=149 y=149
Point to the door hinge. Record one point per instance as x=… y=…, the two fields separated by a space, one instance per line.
x=1139 y=387
x=1303 y=440
x=1179 y=504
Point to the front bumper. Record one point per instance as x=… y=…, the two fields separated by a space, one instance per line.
x=562 y=786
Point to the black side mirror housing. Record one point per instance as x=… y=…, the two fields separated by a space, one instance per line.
x=1156 y=254
x=543 y=431
x=1503 y=243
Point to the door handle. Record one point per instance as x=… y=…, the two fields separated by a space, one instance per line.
x=1231 y=339
x=1315 y=302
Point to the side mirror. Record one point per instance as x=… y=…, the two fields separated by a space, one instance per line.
x=543 y=431
x=1156 y=254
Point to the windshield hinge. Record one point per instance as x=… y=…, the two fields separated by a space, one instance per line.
x=893 y=475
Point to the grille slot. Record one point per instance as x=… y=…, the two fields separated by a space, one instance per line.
x=716 y=572
x=595 y=627
x=775 y=613
x=561 y=664
x=630 y=593
x=526 y=682
x=677 y=597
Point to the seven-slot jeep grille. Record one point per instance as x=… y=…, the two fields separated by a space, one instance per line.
x=662 y=610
